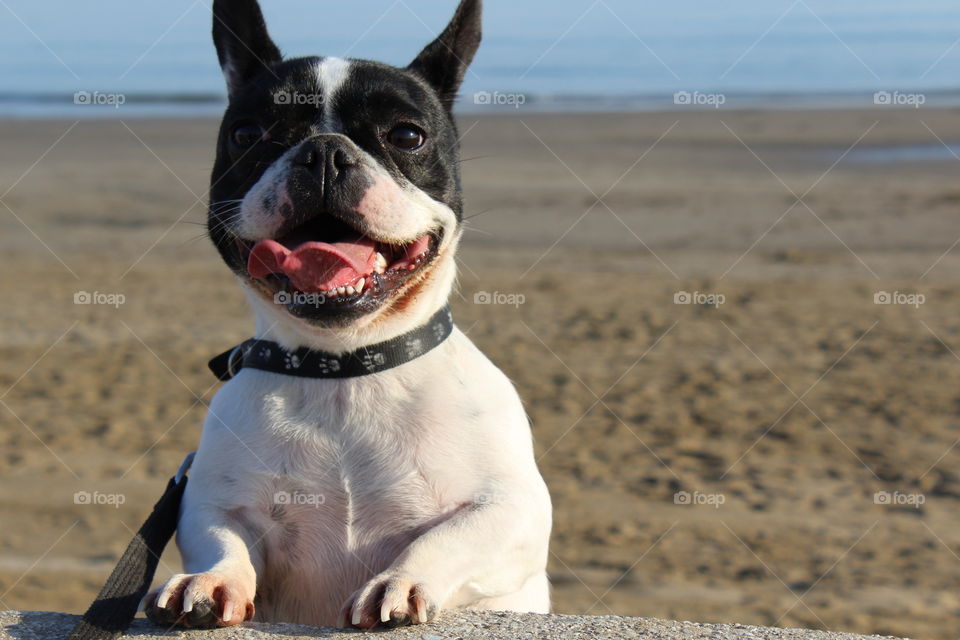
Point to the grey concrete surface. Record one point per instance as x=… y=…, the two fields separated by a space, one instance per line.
x=472 y=625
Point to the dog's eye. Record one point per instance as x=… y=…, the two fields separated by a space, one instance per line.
x=247 y=135
x=406 y=137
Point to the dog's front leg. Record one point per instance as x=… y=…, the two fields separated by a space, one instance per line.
x=486 y=550
x=220 y=584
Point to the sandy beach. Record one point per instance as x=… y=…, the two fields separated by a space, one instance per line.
x=782 y=451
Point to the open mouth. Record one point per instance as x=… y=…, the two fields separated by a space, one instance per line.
x=326 y=263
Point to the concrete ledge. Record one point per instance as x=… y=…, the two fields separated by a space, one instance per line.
x=470 y=625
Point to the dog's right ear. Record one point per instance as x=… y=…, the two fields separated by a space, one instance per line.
x=445 y=60
x=243 y=45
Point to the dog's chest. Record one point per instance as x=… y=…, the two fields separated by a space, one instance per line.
x=352 y=473
x=345 y=492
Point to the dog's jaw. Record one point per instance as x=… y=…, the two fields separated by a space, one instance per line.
x=412 y=307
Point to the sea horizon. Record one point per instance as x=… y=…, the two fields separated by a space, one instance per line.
x=100 y=105
x=595 y=55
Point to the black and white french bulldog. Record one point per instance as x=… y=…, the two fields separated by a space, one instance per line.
x=336 y=202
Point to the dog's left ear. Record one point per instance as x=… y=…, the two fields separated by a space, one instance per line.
x=444 y=62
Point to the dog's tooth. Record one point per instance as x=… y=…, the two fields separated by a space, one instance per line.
x=381 y=263
x=341 y=290
x=360 y=284
x=350 y=290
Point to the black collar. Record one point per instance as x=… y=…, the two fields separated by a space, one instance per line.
x=306 y=363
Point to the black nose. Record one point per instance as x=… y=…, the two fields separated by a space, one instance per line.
x=328 y=157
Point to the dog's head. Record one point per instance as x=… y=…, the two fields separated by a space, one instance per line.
x=336 y=189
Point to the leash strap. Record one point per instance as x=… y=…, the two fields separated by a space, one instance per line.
x=306 y=363
x=112 y=612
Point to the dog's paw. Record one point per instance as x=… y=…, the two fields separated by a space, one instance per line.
x=391 y=601
x=199 y=601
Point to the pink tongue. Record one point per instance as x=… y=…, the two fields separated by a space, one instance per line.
x=314 y=266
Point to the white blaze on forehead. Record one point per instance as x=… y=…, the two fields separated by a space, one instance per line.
x=331 y=74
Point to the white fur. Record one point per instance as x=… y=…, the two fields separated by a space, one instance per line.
x=260 y=213
x=426 y=474
x=397 y=209
x=331 y=74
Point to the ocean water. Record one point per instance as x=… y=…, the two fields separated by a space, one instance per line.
x=143 y=58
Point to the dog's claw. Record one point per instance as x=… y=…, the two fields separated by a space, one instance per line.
x=199 y=601
x=388 y=601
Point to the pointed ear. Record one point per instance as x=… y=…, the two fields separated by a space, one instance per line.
x=444 y=62
x=243 y=45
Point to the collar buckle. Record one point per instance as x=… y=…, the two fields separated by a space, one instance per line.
x=235 y=361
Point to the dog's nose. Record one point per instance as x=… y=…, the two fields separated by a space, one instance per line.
x=306 y=155
x=328 y=157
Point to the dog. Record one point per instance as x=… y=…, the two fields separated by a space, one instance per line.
x=366 y=500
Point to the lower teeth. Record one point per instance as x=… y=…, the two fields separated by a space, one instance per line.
x=349 y=290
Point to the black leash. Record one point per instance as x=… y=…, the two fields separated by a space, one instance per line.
x=116 y=605
x=307 y=363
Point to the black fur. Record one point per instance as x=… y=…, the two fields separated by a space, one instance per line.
x=444 y=62
x=243 y=45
